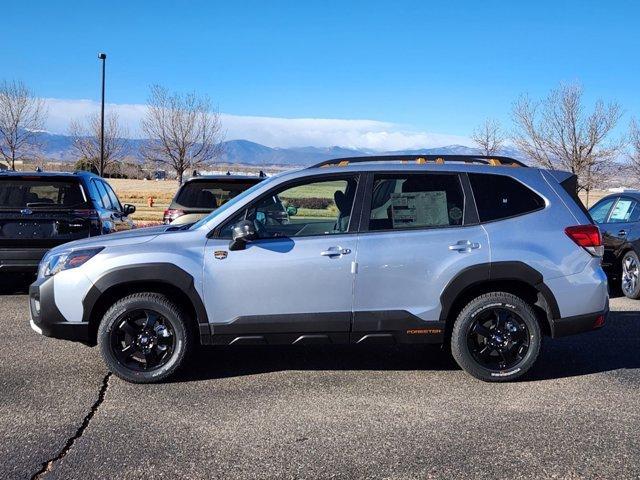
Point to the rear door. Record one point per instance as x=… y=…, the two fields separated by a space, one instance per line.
x=42 y=211
x=417 y=233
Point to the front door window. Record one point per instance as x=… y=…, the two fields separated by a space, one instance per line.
x=309 y=209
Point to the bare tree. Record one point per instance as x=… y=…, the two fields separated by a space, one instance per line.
x=22 y=116
x=634 y=144
x=86 y=140
x=557 y=133
x=489 y=137
x=184 y=131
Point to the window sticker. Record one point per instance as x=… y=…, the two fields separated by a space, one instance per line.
x=419 y=209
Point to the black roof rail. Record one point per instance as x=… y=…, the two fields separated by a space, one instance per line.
x=495 y=160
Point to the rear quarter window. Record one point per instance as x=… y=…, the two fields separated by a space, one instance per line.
x=499 y=196
x=209 y=195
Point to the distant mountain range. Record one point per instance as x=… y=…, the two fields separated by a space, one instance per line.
x=58 y=147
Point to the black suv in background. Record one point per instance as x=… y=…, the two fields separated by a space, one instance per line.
x=618 y=216
x=197 y=197
x=39 y=211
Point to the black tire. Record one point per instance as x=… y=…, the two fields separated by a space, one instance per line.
x=491 y=329
x=145 y=338
x=630 y=275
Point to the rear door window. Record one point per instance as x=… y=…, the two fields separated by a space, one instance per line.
x=41 y=193
x=623 y=211
x=422 y=200
x=601 y=209
x=498 y=197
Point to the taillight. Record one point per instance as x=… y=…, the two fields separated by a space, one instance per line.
x=588 y=237
x=600 y=320
x=95 y=224
x=170 y=214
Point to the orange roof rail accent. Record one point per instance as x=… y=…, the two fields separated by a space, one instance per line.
x=421 y=161
x=440 y=161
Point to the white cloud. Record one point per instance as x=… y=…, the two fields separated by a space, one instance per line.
x=273 y=131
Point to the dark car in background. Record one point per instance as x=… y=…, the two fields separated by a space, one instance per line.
x=39 y=211
x=198 y=196
x=618 y=216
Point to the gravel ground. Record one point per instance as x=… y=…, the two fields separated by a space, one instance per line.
x=343 y=412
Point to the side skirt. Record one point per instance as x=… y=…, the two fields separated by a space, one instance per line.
x=362 y=328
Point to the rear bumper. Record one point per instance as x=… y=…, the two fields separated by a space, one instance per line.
x=21 y=259
x=563 y=327
x=47 y=320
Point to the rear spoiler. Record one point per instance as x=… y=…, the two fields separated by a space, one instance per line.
x=561 y=176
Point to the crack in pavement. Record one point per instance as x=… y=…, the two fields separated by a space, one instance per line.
x=47 y=466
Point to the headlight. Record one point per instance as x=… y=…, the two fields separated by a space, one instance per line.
x=55 y=263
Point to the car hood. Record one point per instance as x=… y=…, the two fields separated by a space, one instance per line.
x=129 y=237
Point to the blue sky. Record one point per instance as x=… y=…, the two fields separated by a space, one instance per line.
x=415 y=66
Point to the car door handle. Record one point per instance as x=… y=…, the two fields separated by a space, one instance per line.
x=622 y=233
x=464 y=246
x=335 y=251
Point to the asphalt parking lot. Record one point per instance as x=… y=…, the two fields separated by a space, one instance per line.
x=320 y=412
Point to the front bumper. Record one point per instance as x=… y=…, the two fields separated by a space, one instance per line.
x=563 y=327
x=47 y=320
x=21 y=259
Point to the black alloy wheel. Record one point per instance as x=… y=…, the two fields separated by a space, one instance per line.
x=142 y=340
x=498 y=339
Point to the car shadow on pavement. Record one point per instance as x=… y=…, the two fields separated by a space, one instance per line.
x=612 y=348
x=223 y=362
x=15 y=283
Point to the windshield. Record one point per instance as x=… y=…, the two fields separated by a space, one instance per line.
x=40 y=193
x=231 y=203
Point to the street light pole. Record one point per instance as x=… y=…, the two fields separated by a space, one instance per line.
x=103 y=57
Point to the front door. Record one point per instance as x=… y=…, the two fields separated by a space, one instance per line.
x=293 y=284
x=414 y=241
x=113 y=216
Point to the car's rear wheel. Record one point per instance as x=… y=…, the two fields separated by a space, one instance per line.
x=144 y=338
x=630 y=277
x=496 y=337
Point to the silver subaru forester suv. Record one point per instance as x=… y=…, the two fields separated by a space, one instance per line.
x=482 y=254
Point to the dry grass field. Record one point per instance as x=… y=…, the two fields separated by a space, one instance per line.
x=137 y=192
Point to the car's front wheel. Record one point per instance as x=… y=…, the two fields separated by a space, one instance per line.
x=496 y=337
x=144 y=338
x=630 y=278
